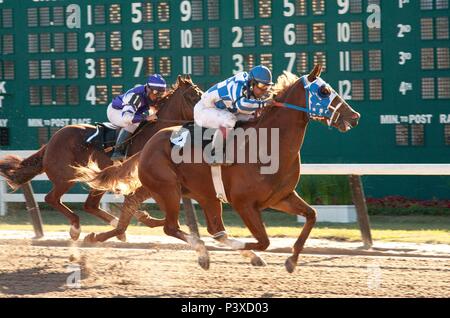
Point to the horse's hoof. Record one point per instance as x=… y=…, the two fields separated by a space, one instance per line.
x=122 y=237
x=203 y=255
x=258 y=261
x=90 y=238
x=203 y=261
x=290 y=264
x=75 y=232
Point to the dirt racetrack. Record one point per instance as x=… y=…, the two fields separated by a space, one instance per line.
x=39 y=271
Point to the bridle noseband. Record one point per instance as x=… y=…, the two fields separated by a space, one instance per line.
x=317 y=107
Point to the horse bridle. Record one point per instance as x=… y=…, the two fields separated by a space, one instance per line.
x=323 y=110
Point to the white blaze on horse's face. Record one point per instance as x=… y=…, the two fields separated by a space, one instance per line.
x=326 y=105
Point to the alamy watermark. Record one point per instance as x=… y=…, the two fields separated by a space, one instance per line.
x=374 y=276
x=250 y=146
x=74 y=278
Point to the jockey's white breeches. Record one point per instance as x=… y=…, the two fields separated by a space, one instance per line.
x=115 y=117
x=209 y=116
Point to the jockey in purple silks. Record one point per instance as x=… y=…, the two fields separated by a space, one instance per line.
x=135 y=106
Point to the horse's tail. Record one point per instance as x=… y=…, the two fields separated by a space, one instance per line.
x=121 y=178
x=18 y=171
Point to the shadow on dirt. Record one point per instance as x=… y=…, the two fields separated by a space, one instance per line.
x=35 y=281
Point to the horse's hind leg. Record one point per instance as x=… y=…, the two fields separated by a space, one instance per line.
x=124 y=220
x=214 y=221
x=92 y=206
x=168 y=198
x=293 y=204
x=53 y=198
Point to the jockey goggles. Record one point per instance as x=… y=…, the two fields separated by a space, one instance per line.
x=262 y=86
x=156 y=92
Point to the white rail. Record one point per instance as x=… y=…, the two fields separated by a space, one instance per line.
x=306 y=169
x=377 y=169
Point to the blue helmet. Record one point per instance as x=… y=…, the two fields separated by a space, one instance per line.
x=261 y=74
x=156 y=82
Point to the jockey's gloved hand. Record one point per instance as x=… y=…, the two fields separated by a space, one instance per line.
x=267 y=100
x=266 y=96
x=152 y=118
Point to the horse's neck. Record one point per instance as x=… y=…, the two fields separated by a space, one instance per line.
x=171 y=111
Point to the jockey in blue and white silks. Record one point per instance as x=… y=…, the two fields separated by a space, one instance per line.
x=235 y=99
x=135 y=106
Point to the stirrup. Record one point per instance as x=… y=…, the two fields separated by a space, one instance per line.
x=119 y=154
x=118 y=157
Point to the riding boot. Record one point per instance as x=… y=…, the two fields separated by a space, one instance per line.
x=218 y=152
x=121 y=145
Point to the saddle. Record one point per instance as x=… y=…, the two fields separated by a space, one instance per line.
x=183 y=136
x=105 y=136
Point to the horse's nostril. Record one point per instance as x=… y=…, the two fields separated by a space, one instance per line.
x=356 y=116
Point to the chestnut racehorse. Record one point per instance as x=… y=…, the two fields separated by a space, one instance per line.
x=248 y=191
x=68 y=148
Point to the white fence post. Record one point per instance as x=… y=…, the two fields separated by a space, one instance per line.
x=2 y=197
x=104 y=205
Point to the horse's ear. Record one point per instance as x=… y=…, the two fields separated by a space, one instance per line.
x=179 y=79
x=315 y=73
x=188 y=78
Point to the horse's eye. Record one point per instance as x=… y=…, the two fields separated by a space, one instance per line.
x=324 y=91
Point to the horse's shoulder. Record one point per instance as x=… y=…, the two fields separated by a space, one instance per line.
x=172 y=128
x=165 y=133
x=80 y=127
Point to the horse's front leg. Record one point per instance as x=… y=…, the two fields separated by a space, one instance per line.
x=92 y=206
x=234 y=244
x=253 y=220
x=293 y=204
x=214 y=222
x=128 y=210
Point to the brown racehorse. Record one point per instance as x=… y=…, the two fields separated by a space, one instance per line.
x=68 y=148
x=248 y=191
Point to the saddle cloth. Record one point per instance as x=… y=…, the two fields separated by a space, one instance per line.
x=183 y=137
x=105 y=136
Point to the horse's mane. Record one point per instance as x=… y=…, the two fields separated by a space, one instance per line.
x=284 y=82
x=181 y=80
